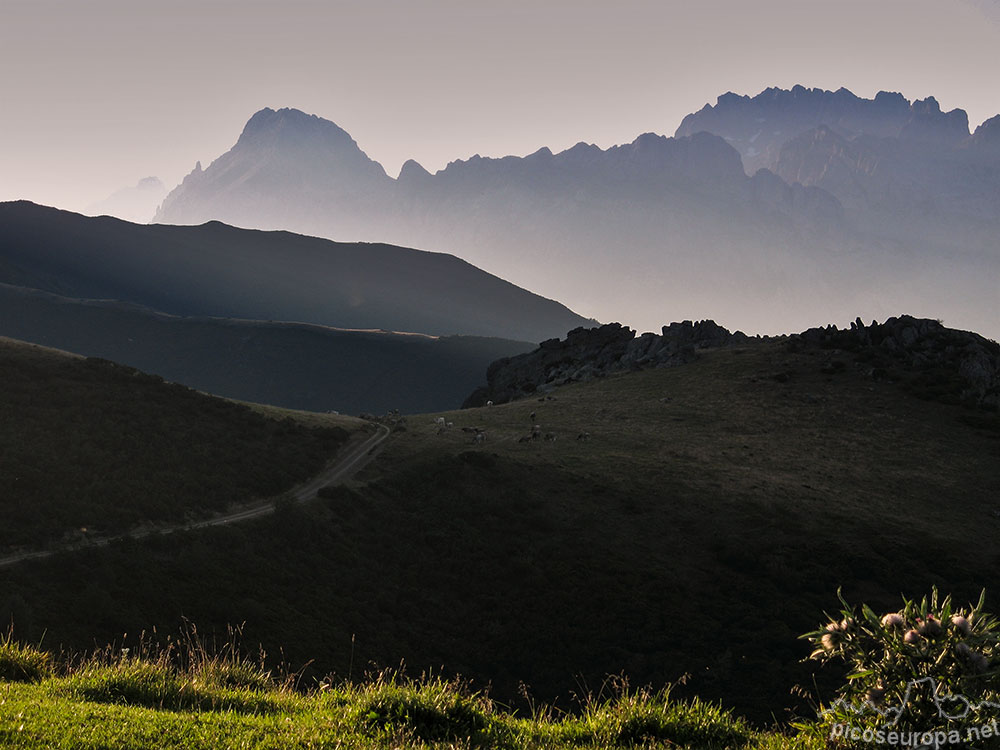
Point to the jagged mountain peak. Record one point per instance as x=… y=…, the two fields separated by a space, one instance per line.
x=759 y=126
x=543 y=153
x=280 y=151
x=989 y=131
x=293 y=127
x=412 y=169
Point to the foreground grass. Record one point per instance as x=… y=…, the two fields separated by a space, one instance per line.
x=226 y=701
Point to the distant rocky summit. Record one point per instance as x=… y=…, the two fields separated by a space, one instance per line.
x=759 y=126
x=588 y=353
x=895 y=160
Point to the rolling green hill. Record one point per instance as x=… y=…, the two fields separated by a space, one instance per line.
x=91 y=448
x=707 y=521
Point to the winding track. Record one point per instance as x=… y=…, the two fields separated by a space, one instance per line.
x=354 y=458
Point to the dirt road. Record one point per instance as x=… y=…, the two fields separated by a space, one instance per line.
x=351 y=458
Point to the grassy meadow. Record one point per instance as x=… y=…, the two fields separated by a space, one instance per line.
x=706 y=523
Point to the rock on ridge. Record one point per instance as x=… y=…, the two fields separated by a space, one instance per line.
x=588 y=353
x=938 y=363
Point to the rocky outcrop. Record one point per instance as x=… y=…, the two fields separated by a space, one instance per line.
x=588 y=353
x=922 y=356
x=935 y=362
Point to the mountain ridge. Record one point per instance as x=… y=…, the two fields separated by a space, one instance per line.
x=221 y=271
x=291 y=365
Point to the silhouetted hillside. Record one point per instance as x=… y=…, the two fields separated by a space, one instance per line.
x=293 y=365
x=221 y=271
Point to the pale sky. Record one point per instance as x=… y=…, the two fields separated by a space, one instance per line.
x=96 y=95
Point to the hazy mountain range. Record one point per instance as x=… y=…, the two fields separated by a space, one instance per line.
x=904 y=166
x=865 y=207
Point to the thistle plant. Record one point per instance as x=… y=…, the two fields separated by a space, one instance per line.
x=930 y=666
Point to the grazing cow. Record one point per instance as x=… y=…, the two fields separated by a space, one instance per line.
x=479 y=438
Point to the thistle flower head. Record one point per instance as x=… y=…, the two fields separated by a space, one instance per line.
x=912 y=637
x=961 y=624
x=929 y=627
x=828 y=641
x=892 y=620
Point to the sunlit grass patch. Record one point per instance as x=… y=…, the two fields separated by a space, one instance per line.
x=20 y=663
x=430 y=710
x=641 y=717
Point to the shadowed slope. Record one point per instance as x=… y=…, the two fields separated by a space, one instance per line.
x=221 y=271
x=294 y=365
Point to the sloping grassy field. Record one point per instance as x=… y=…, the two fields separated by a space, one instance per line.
x=90 y=448
x=708 y=520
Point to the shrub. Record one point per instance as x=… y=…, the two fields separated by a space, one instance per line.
x=928 y=667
